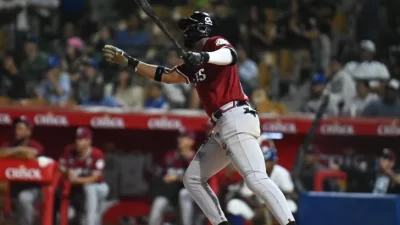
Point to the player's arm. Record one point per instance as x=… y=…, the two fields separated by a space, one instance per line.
x=97 y=172
x=8 y=152
x=154 y=72
x=20 y=152
x=225 y=56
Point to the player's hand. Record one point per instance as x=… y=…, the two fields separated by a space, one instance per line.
x=194 y=59
x=72 y=175
x=115 y=55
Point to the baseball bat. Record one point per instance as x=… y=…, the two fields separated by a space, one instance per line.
x=146 y=7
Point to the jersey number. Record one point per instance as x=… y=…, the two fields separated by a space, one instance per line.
x=200 y=75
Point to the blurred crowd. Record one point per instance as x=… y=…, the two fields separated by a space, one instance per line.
x=289 y=52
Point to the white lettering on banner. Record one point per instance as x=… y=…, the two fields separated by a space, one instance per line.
x=107 y=122
x=51 y=120
x=164 y=123
x=337 y=129
x=5 y=119
x=23 y=173
x=388 y=130
x=280 y=127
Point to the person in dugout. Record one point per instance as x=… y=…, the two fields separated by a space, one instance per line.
x=244 y=205
x=22 y=146
x=169 y=190
x=82 y=164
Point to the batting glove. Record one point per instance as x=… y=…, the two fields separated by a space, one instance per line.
x=115 y=55
x=194 y=59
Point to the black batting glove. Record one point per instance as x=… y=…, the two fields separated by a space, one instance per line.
x=194 y=59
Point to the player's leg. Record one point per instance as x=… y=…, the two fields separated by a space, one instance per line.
x=94 y=194
x=186 y=206
x=26 y=205
x=209 y=160
x=158 y=207
x=247 y=157
x=239 y=129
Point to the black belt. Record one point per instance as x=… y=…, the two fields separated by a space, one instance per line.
x=218 y=114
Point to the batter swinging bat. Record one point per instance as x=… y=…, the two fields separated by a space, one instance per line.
x=146 y=7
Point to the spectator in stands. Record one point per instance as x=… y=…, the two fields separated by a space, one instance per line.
x=13 y=82
x=82 y=164
x=170 y=188
x=156 y=100
x=248 y=72
x=389 y=105
x=35 y=64
x=55 y=88
x=124 y=91
x=364 y=96
x=88 y=78
x=23 y=147
x=341 y=83
x=228 y=23
x=98 y=97
x=317 y=97
x=367 y=68
x=178 y=95
x=244 y=204
x=103 y=37
x=134 y=38
x=74 y=57
x=253 y=33
x=385 y=177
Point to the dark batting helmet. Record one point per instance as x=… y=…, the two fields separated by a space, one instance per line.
x=197 y=26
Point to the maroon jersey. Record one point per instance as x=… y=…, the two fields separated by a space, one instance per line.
x=175 y=164
x=31 y=143
x=215 y=84
x=84 y=166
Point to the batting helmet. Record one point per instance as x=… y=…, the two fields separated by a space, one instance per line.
x=197 y=26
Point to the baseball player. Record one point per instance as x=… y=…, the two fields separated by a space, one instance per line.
x=83 y=165
x=211 y=66
x=171 y=191
x=242 y=204
x=23 y=147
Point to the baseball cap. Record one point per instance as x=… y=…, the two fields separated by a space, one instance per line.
x=368 y=45
x=83 y=132
x=318 y=78
x=270 y=154
x=91 y=62
x=25 y=120
x=187 y=133
x=75 y=42
x=53 y=62
x=388 y=154
x=32 y=38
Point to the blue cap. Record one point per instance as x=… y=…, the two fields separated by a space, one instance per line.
x=270 y=154
x=32 y=38
x=93 y=63
x=318 y=78
x=53 y=62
